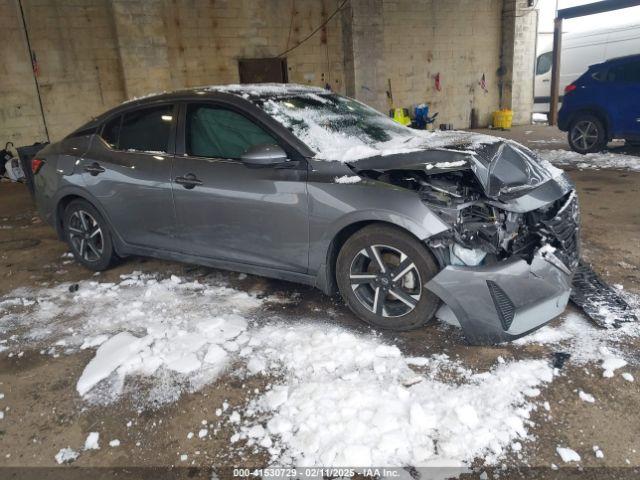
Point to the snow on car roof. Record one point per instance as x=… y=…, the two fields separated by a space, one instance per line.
x=264 y=89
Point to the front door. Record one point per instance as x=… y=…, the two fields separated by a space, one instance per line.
x=128 y=170
x=228 y=211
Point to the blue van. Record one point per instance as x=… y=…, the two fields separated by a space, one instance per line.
x=602 y=104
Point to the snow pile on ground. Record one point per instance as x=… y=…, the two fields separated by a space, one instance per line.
x=349 y=400
x=336 y=397
x=591 y=160
x=176 y=331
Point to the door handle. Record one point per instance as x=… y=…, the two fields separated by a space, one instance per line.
x=94 y=169
x=189 y=181
x=546 y=80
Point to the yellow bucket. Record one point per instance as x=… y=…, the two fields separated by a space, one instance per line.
x=502 y=119
x=401 y=115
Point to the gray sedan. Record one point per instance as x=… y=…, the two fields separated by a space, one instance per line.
x=301 y=184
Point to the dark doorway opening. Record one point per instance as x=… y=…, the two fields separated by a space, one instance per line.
x=263 y=70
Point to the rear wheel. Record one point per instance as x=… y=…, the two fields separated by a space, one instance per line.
x=587 y=134
x=382 y=274
x=88 y=235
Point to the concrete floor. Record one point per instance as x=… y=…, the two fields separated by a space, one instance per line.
x=46 y=413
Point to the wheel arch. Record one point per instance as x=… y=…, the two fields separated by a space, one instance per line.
x=597 y=112
x=328 y=282
x=76 y=194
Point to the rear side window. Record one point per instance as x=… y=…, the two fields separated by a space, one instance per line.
x=218 y=133
x=543 y=65
x=146 y=130
x=626 y=73
x=111 y=131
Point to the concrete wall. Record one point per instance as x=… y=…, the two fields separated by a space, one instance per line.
x=520 y=26
x=94 y=54
x=408 y=42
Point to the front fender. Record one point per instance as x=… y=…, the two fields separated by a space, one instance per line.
x=334 y=207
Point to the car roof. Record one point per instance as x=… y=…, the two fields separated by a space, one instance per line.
x=617 y=60
x=234 y=92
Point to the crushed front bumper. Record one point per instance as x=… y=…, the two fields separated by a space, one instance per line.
x=507 y=300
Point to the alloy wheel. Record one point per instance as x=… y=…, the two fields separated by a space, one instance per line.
x=86 y=235
x=385 y=280
x=584 y=134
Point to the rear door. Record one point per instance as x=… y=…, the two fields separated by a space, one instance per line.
x=228 y=211
x=623 y=85
x=128 y=169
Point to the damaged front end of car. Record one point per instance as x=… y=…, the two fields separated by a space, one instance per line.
x=513 y=244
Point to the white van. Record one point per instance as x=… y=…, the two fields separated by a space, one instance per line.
x=579 y=51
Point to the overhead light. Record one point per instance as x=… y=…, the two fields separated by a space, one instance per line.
x=167 y=118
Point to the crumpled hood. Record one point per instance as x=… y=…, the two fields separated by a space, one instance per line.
x=505 y=169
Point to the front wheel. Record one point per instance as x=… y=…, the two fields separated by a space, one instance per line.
x=382 y=274
x=88 y=235
x=587 y=134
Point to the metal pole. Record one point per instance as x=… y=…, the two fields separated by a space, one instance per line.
x=555 y=71
x=35 y=78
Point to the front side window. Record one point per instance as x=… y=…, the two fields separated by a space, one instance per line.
x=146 y=130
x=543 y=65
x=111 y=131
x=218 y=133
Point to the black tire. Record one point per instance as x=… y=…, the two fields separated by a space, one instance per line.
x=587 y=134
x=354 y=267
x=88 y=236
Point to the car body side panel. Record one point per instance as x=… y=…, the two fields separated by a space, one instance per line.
x=135 y=189
x=252 y=215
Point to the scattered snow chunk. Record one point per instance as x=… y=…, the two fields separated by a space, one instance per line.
x=627 y=376
x=567 y=454
x=598 y=453
x=66 y=455
x=586 y=397
x=610 y=362
x=203 y=433
x=91 y=443
x=114 y=352
x=184 y=457
x=348 y=179
x=189 y=435
x=114 y=443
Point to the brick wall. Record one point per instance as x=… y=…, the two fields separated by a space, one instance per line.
x=94 y=54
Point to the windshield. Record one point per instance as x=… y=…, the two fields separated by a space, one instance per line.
x=336 y=127
x=343 y=129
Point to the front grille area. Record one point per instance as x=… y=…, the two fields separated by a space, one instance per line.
x=563 y=231
x=504 y=306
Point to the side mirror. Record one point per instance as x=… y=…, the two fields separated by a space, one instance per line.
x=264 y=155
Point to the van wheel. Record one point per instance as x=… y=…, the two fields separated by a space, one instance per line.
x=88 y=235
x=587 y=134
x=382 y=274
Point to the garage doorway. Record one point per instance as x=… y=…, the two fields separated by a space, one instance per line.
x=263 y=70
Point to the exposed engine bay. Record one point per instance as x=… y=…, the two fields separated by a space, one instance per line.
x=483 y=231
